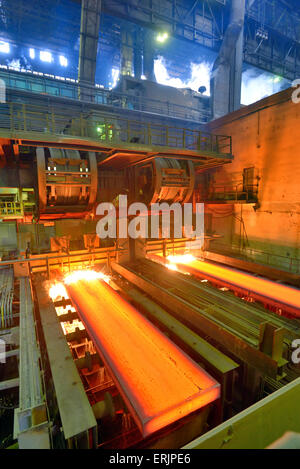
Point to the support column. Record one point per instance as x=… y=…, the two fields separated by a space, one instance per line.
x=226 y=77
x=89 y=35
x=149 y=55
x=236 y=70
x=236 y=73
x=138 y=53
x=126 y=52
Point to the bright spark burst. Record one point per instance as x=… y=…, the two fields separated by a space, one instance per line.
x=172 y=267
x=58 y=291
x=181 y=259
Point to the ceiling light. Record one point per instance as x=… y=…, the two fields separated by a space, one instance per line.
x=162 y=37
x=63 y=61
x=45 y=56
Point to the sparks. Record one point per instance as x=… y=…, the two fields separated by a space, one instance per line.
x=69 y=327
x=58 y=291
x=181 y=259
x=87 y=275
x=172 y=267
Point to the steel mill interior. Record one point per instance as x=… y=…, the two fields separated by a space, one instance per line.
x=149 y=224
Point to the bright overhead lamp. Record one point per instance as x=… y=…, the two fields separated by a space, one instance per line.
x=4 y=47
x=63 y=61
x=45 y=56
x=162 y=37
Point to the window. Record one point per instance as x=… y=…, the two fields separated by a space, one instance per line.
x=4 y=47
x=63 y=61
x=46 y=56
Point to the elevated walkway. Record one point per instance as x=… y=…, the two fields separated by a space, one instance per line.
x=115 y=137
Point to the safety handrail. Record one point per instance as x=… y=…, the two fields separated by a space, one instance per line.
x=21 y=117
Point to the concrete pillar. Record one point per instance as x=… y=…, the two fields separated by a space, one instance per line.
x=89 y=35
x=138 y=54
x=149 y=55
x=126 y=52
x=236 y=70
x=226 y=76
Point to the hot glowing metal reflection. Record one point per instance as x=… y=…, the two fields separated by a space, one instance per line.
x=261 y=288
x=58 y=291
x=172 y=267
x=181 y=259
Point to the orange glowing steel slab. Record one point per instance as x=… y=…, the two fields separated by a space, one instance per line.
x=280 y=295
x=159 y=383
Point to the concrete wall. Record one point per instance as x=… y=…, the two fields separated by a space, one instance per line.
x=265 y=135
x=8 y=237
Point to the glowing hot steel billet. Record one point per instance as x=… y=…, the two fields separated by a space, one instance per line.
x=85 y=275
x=280 y=295
x=159 y=383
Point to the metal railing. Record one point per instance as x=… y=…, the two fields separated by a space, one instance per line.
x=289 y=263
x=23 y=118
x=10 y=209
x=65 y=262
x=69 y=89
x=232 y=192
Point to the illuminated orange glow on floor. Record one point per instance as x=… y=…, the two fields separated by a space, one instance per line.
x=172 y=267
x=159 y=383
x=281 y=294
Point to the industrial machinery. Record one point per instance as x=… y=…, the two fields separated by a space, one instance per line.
x=67 y=182
x=134 y=342
x=153 y=97
x=163 y=179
